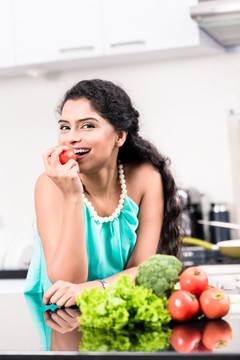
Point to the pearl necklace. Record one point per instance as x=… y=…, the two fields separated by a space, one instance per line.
x=120 y=204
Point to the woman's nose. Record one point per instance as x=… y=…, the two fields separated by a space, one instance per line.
x=74 y=137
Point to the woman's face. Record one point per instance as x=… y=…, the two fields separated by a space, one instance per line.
x=92 y=137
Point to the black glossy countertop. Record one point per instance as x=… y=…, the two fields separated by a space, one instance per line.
x=28 y=329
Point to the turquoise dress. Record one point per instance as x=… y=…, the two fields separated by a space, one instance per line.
x=109 y=246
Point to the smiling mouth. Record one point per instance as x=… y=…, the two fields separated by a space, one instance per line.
x=80 y=152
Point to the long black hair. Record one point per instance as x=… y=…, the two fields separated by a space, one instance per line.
x=113 y=103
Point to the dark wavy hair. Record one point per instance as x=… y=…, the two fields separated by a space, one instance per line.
x=112 y=103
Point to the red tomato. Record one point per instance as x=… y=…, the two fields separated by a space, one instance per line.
x=67 y=155
x=194 y=280
x=183 y=305
x=201 y=348
x=217 y=334
x=214 y=303
x=185 y=337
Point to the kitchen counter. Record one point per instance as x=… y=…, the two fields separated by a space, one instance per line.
x=28 y=329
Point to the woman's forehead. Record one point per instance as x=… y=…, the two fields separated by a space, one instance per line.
x=75 y=109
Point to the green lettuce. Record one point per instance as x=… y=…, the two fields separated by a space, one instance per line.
x=139 y=339
x=122 y=305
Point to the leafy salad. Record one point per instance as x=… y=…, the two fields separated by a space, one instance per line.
x=122 y=305
x=139 y=339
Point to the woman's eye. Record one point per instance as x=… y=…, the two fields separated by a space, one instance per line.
x=64 y=127
x=87 y=126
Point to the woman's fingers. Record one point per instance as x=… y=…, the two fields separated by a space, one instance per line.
x=50 y=320
x=61 y=321
x=64 y=298
x=62 y=293
x=50 y=292
x=51 y=156
x=72 y=312
x=55 y=154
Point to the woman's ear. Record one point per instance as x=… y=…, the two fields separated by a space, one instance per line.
x=121 y=137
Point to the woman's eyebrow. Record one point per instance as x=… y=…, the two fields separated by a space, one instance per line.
x=79 y=120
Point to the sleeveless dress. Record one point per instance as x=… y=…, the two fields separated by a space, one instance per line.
x=109 y=246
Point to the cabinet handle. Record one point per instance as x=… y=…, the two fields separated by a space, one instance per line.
x=126 y=43
x=77 y=48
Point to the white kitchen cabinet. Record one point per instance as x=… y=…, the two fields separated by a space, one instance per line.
x=58 y=35
x=57 y=30
x=6 y=34
x=146 y=25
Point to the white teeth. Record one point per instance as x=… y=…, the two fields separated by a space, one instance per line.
x=81 y=151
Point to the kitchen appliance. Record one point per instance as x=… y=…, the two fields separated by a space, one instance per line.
x=219 y=212
x=190 y=202
x=229 y=248
x=220 y=19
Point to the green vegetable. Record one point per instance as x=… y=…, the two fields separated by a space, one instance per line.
x=122 y=305
x=159 y=273
x=138 y=339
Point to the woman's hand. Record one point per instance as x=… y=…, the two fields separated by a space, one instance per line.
x=65 y=335
x=64 y=293
x=66 y=176
x=62 y=320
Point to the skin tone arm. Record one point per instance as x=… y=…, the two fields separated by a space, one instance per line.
x=64 y=293
x=61 y=204
x=65 y=335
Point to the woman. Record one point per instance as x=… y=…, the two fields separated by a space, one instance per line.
x=103 y=214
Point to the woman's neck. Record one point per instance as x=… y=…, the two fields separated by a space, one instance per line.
x=103 y=183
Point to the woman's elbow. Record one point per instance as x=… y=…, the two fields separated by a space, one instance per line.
x=73 y=276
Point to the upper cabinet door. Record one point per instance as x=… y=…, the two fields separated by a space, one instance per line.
x=55 y=30
x=6 y=34
x=145 y=25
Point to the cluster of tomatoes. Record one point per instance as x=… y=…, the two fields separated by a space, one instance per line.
x=205 y=305
x=200 y=335
x=197 y=296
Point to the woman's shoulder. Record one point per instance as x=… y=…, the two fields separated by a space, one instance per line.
x=46 y=185
x=43 y=180
x=139 y=171
x=140 y=179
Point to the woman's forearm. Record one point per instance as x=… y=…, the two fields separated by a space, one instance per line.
x=64 y=293
x=131 y=271
x=69 y=261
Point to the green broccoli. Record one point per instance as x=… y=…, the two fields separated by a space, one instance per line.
x=159 y=273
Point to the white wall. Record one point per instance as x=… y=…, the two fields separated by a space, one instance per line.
x=184 y=108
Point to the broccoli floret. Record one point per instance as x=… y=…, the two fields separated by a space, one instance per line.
x=159 y=273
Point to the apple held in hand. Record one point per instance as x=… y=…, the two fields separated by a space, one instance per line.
x=67 y=155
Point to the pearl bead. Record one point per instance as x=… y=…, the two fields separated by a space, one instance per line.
x=120 y=204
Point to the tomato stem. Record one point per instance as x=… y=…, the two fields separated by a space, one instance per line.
x=196 y=272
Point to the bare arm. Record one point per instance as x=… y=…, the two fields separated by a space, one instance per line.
x=150 y=216
x=64 y=293
x=58 y=203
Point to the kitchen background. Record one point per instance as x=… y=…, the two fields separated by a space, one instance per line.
x=185 y=86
